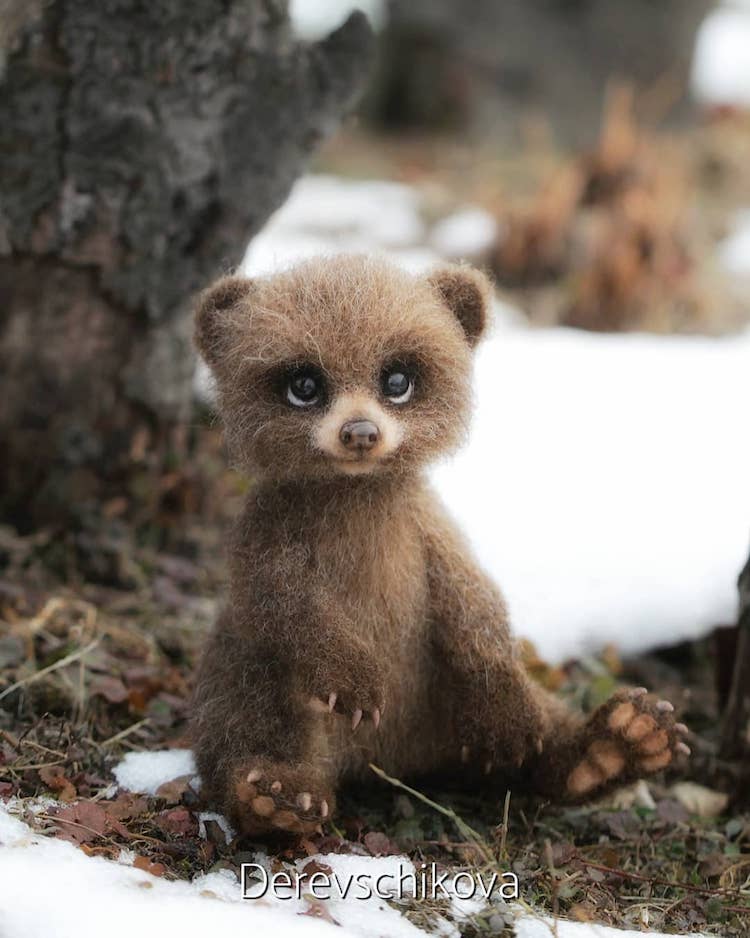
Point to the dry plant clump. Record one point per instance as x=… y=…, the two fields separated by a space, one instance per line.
x=612 y=241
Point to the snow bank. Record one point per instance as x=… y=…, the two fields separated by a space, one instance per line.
x=49 y=887
x=146 y=771
x=605 y=484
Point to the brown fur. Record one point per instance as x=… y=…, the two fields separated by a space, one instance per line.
x=348 y=579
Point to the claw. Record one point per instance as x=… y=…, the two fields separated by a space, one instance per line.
x=304 y=800
x=376 y=717
x=638 y=691
x=681 y=728
x=254 y=775
x=276 y=787
x=324 y=808
x=684 y=749
x=488 y=767
x=464 y=754
x=539 y=745
x=665 y=706
x=332 y=701
x=356 y=717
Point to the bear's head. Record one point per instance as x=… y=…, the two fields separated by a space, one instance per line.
x=343 y=365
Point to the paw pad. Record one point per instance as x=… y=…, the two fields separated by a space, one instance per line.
x=269 y=797
x=631 y=735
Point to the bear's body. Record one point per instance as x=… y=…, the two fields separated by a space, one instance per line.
x=358 y=628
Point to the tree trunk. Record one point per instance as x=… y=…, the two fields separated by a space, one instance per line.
x=736 y=730
x=142 y=145
x=490 y=65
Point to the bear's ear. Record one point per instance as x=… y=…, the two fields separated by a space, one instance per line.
x=467 y=293
x=212 y=322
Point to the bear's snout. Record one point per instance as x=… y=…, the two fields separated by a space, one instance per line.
x=359 y=435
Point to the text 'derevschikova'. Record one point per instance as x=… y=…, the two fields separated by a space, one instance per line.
x=424 y=882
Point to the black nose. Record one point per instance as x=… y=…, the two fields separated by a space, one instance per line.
x=359 y=434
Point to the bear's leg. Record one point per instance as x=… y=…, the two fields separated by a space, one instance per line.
x=261 y=751
x=630 y=736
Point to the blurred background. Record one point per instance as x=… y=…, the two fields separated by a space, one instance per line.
x=592 y=155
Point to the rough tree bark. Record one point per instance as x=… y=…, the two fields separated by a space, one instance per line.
x=736 y=730
x=142 y=144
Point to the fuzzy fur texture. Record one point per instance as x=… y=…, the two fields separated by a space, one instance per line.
x=358 y=626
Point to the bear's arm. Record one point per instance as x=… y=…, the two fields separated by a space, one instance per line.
x=293 y=619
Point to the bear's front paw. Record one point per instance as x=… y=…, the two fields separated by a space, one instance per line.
x=277 y=796
x=522 y=739
x=356 y=692
x=631 y=735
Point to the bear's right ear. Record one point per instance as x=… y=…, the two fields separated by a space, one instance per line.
x=212 y=323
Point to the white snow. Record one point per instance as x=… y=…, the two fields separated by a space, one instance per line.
x=49 y=887
x=465 y=235
x=605 y=484
x=313 y=19
x=325 y=214
x=226 y=828
x=721 y=63
x=146 y=771
x=734 y=251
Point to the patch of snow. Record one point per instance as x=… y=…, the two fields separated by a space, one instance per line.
x=313 y=19
x=734 y=251
x=52 y=888
x=721 y=64
x=543 y=927
x=604 y=484
x=145 y=772
x=226 y=827
x=466 y=235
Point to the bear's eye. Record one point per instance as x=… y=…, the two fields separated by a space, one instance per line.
x=397 y=383
x=304 y=387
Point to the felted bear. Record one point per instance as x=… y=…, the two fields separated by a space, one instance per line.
x=358 y=627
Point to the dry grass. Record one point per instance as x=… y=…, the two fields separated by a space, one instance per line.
x=611 y=241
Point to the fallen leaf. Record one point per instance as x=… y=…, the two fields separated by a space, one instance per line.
x=176 y=821
x=85 y=821
x=671 y=811
x=316 y=908
x=111 y=688
x=562 y=853
x=315 y=866
x=125 y=805
x=143 y=863
x=379 y=845
x=173 y=790
x=54 y=778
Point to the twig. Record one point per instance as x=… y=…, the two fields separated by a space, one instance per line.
x=126 y=732
x=17 y=767
x=61 y=663
x=504 y=832
x=463 y=827
x=656 y=881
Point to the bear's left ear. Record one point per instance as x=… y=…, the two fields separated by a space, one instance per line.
x=467 y=293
